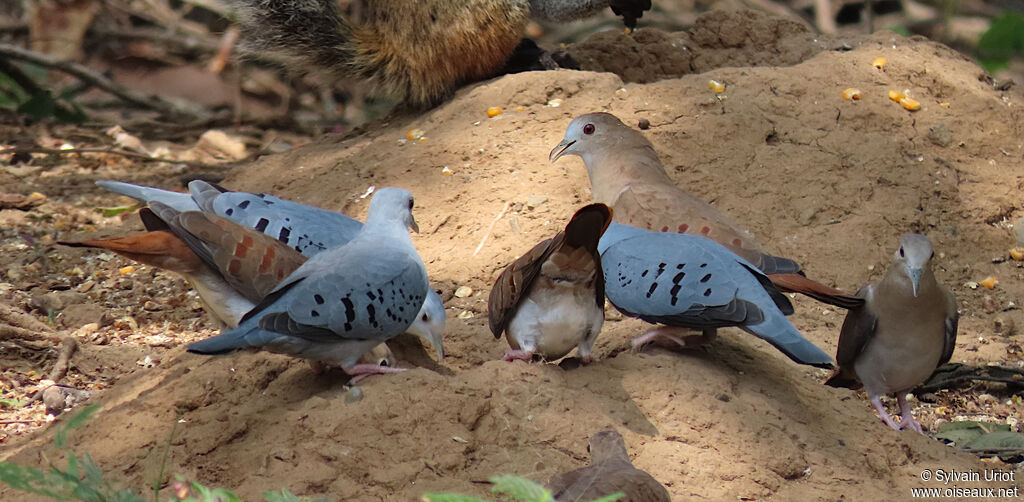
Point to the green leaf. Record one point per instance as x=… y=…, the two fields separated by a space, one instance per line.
x=449 y=497
x=964 y=431
x=60 y=438
x=39 y=107
x=11 y=403
x=109 y=212
x=1003 y=41
x=521 y=489
x=282 y=496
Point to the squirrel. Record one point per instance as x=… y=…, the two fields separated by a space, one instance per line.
x=417 y=50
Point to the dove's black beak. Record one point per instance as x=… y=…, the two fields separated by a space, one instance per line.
x=560 y=150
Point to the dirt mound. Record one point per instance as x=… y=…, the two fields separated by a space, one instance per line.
x=828 y=182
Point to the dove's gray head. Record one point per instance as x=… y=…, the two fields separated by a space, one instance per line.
x=606 y=445
x=429 y=323
x=594 y=132
x=390 y=205
x=914 y=253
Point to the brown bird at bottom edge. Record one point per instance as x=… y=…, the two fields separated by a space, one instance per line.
x=551 y=299
x=610 y=471
x=906 y=328
x=626 y=173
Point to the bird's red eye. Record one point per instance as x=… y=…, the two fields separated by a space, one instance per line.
x=588 y=129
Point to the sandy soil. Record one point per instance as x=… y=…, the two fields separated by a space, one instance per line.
x=828 y=182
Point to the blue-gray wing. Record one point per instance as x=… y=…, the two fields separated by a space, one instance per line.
x=352 y=292
x=307 y=229
x=678 y=280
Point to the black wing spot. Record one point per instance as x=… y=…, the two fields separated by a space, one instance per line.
x=244 y=204
x=650 y=292
x=644 y=273
x=262 y=225
x=371 y=296
x=348 y=327
x=314 y=313
x=678 y=277
x=707 y=292
x=706 y=278
x=318 y=299
x=350 y=310
x=284 y=234
x=702 y=265
x=675 y=289
x=372 y=312
x=680 y=266
x=228 y=211
x=661 y=269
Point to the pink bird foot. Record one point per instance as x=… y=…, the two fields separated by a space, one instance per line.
x=361 y=371
x=907 y=420
x=520 y=355
x=671 y=338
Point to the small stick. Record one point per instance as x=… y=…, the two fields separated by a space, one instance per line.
x=123 y=153
x=68 y=347
x=491 y=227
x=151 y=102
x=6 y=422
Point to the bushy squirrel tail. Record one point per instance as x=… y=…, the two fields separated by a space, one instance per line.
x=419 y=51
x=306 y=34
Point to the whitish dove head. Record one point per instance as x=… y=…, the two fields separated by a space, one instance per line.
x=589 y=133
x=392 y=204
x=429 y=323
x=914 y=253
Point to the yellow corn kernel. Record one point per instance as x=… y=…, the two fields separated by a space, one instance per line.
x=126 y=270
x=944 y=105
x=1017 y=253
x=716 y=86
x=879 y=63
x=851 y=94
x=910 y=104
x=415 y=134
x=494 y=111
x=896 y=95
x=989 y=282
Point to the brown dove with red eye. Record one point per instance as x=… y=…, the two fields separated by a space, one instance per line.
x=626 y=174
x=551 y=299
x=610 y=471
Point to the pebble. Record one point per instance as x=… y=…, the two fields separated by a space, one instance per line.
x=463 y=291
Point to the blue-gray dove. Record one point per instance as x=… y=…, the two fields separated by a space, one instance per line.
x=307 y=229
x=687 y=281
x=343 y=301
x=551 y=299
x=626 y=174
x=906 y=328
x=610 y=471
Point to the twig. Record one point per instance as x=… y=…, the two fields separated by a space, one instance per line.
x=80 y=72
x=7 y=422
x=68 y=347
x=123 y=153
x=491 y=227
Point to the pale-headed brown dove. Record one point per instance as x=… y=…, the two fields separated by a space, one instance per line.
x=552 y=298
x=905 y=329
x=610 y=471
x=626 y=174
